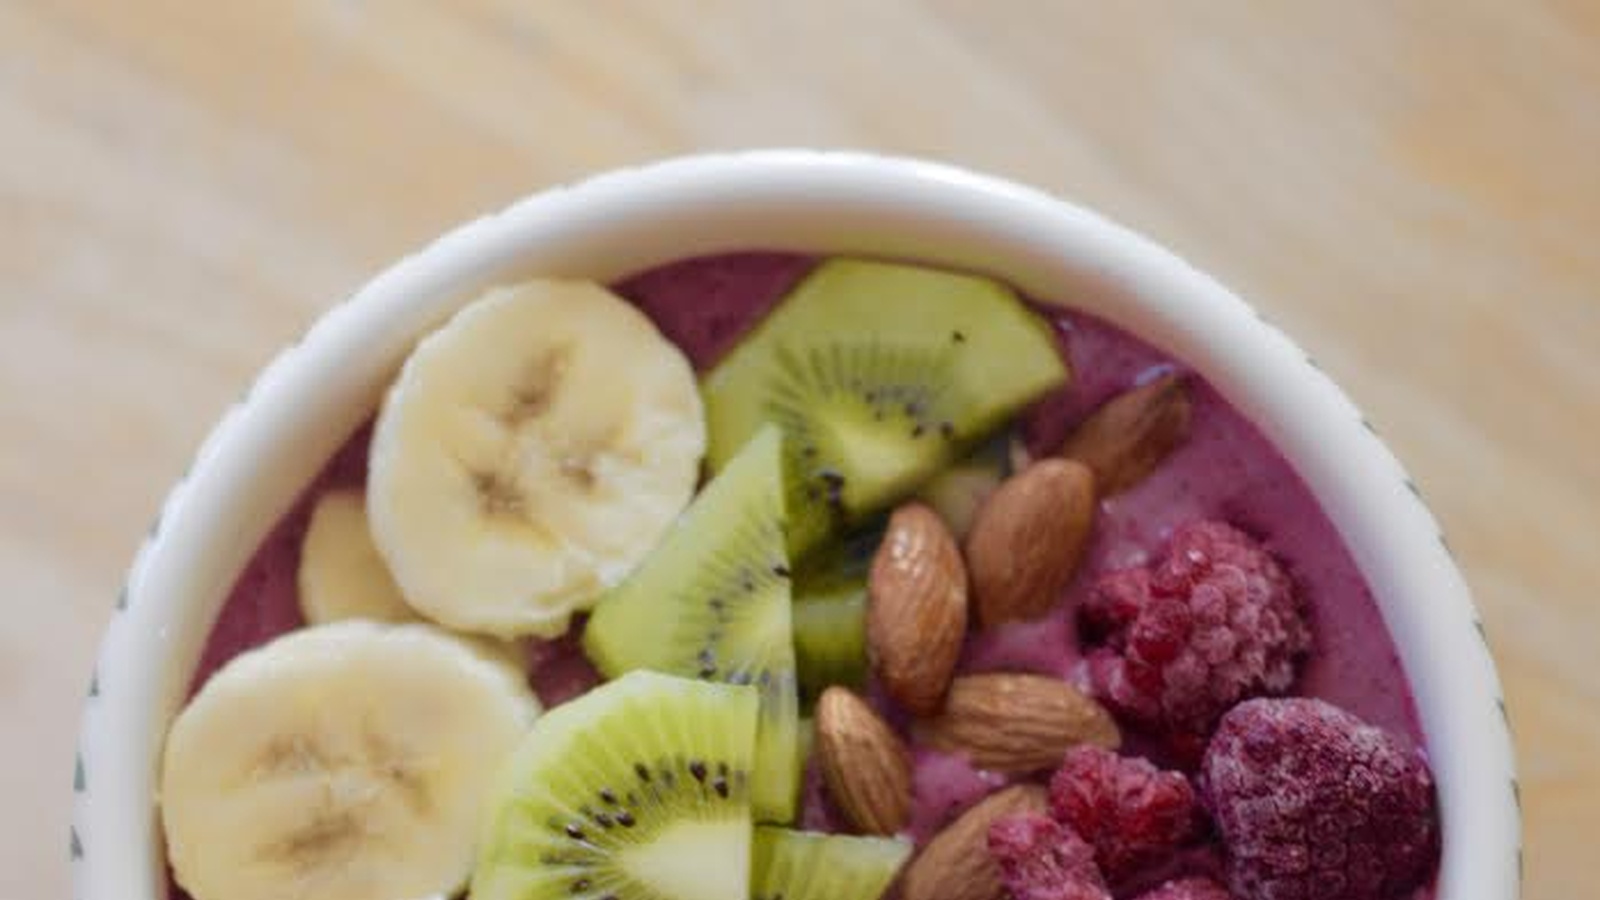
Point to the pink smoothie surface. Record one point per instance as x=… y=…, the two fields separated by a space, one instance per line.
x=1226 y=470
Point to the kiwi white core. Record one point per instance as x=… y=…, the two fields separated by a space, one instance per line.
x=695 y=860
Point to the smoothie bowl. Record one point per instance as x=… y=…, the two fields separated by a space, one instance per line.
x=796 y=525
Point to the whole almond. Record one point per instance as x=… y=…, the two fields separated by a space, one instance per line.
x=916 y=608
x=1013 y=722
x=1028 y=538
x=955 y=864
x=864 y=764
x=1128 y=436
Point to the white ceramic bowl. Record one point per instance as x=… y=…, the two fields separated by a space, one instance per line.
x=307 y=401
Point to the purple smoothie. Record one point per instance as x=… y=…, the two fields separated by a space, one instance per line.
x=1226 y=470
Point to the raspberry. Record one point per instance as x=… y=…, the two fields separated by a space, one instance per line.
x=1132 y=812
x=1188 y=889
x=1314 y=803
x=1216 y=621
x=1039 y=859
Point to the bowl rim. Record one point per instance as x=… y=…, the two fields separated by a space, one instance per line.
x=820 y=201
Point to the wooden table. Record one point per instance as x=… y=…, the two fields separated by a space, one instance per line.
x=1411 y=188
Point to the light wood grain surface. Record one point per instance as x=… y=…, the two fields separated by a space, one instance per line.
x=1410 y=188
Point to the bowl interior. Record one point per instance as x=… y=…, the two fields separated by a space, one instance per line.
x=316 y=392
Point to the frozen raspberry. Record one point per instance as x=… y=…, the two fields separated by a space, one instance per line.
x=1215 y=622
x=1314 y=803
x=1132 y=812
x=1040 y=859
x=1188 y=889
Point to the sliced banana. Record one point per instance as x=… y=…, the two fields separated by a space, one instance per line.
x=348 y=761
x=530 y=454
x=342 y=576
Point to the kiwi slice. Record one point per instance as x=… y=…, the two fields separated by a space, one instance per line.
x=830 y=638
x=807 y=743
x=712 y=602
x=804 y=865
x=956 y=492
x=830 y=613
x=626 y=793
x=879 y=374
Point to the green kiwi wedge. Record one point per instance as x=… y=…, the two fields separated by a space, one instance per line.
x=879 y=374
x=956 y=491
x=804 y=865
x=712 y=601
x=830 y=613
x=807 y=743
x=627 y=792
x=830 y=639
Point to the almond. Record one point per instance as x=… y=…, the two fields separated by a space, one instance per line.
x=916 y=608
x=1012 y=722
x=1028 y=538
x=864 y=764
x=1128 y=436
x=955 y=864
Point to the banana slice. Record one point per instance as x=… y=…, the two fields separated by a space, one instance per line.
x=348 y=761
x=341 y=576
x=530 y=454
